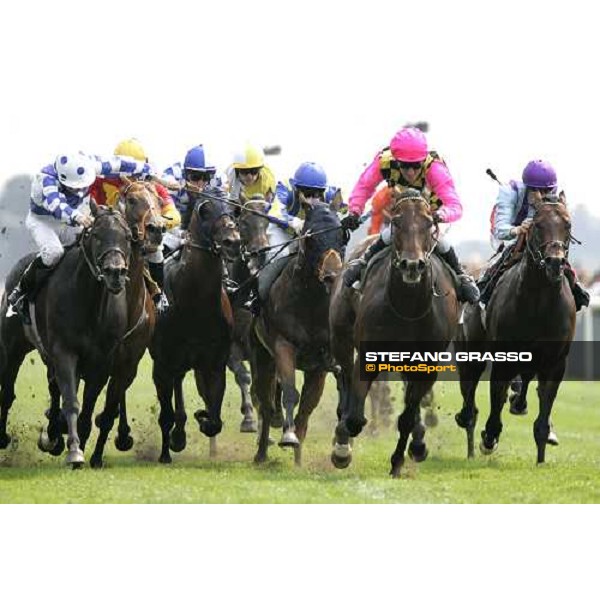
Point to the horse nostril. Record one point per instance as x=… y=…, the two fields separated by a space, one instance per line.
x=421 y=265
x=404 y=264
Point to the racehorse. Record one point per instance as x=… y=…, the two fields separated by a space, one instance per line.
x=408 y=296
x=78 y=320
x=292 y=331
x=196 y=330
x=531 y=309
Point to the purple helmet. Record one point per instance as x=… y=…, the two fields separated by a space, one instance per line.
x=539 y=174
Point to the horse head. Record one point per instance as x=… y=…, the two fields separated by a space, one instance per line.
x=140 y=205
x=548 y=238
x=106 y=247
x=252 y=223
x=213 y=228
x=413 y=233
x=322 y=243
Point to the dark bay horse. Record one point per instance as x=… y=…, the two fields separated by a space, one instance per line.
x=408 y=297
x=292 y=331
x=531 y=309
x=80 y=317
x=196 y=330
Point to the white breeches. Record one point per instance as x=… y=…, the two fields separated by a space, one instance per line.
x=50 y=236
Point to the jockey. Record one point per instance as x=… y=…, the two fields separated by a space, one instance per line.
x=409 y=163
x=248 y=175
x=59 y=210
x=107 y=191
x=195 y=175
x=286 y=214
x=512 y=216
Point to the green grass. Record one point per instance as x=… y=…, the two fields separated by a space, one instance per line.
x=571 y=474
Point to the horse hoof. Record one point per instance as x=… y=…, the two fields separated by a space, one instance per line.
x=418 y=452
x=43 y=442
x=277 y=420
x=58 y=447
x=552 y=438
x=260 y=459
x=248 y=425
x=165 y=459
x=210 y=428
x=123 y=443
x=341 y=456
x=75 y=457
x=5 y=440
x=96 y=462
x=431 y=419
x=177 y=440
x=289 y=440
x=485 y=446
x=517 y=407
x=461 y=420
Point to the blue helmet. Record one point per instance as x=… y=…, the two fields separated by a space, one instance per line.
x=310 y=175
x=195 y=160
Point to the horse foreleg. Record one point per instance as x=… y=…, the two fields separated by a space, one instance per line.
x=493 y=427
x=548 y=384
x=91 y=392
x=415 y=390
x=355 y=415
x=178 y=438
x=242 y=378
x=163 y=382
x=285 y=363
x=51 y=437
x=470 y=374
x=312 y=390
x=264 y=390
x=210 y=384
x=7 y=391
x=66 y=378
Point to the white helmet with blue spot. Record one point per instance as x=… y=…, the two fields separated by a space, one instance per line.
x=76 y=171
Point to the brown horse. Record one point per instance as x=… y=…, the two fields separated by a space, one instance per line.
x=195 y=332
x=408 y=297
x=531 y=309
x=292 y=331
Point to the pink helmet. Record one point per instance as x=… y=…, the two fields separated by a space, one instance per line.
x=409 y=145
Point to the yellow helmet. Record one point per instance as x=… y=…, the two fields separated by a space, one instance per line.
x=131 y=148
x=249 y=158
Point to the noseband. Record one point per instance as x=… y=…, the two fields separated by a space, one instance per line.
x=396 y=260
x=95 y=265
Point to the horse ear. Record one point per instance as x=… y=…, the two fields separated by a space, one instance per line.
x=94 y=208
x=126 y=180
x=562 y=198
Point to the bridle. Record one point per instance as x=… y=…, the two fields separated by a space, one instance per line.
x=395 y=220
x=213 y=247
x=94 y=263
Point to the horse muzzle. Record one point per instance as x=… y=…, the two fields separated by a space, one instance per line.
x=412 y=270
x=555 y=268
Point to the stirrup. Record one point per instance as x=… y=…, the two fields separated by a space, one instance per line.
x=161 y=303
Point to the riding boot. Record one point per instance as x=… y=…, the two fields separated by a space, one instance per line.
x=157 y=272
x=355 y=268
x=581 y=295
x=33 y=279
x=468 y=290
